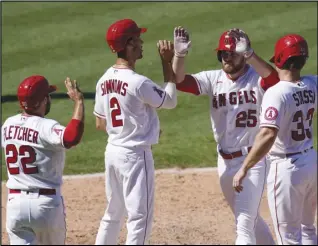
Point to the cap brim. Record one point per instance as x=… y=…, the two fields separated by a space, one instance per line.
x=272 y=59
x=143 y=29
x=52 y=88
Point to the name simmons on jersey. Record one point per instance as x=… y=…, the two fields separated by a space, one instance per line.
x=304 y=97
x=234 y=98
x=114 y=86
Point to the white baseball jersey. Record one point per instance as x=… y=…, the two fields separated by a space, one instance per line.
x=234 y=106
x=290 y=107
x=128 y=102
x=34 y=152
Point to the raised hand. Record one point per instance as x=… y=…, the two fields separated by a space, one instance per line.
x=182 y=42
x=73 y=90
x=243 y=44
x=166 y=50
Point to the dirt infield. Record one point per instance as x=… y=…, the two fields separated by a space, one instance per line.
x=189 y=209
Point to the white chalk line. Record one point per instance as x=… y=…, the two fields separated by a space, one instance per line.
x=158 y=171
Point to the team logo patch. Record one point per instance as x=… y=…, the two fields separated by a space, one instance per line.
x=57 y=131
x=271 y=113
x=160 y=92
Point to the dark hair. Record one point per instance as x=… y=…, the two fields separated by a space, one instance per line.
x=295 y=62
x=122 y=54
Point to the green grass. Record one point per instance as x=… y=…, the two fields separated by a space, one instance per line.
x=67 y=39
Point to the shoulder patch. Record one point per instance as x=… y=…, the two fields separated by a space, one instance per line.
x=271 y=113
x=160 y=92
x=57 y=131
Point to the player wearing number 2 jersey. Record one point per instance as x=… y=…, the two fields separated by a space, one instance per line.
x=235 y=93
x=287 y=134
x=125 y=106
x=34 y=149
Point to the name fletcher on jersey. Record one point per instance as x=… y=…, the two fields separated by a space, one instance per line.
x=234 y=98
x=21 y=133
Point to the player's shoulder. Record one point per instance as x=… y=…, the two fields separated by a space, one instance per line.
x=209 y=73
x=12 y=119
x=278 y=89
x=310 y=79
x=46 y=123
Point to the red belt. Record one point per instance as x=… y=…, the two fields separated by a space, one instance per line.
x=236 y=154
x=41 y=191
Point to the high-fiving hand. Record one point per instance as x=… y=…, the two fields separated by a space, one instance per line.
x=165 y=49
x=73 y=90
x=243 y=44
x=181 y=42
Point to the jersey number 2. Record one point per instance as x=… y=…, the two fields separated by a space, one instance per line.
x=12 y=150
x=114 y=105
x=301 y=132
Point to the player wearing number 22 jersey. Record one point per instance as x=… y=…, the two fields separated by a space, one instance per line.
x=125 y=106
x=235 y=95
x=34 y=149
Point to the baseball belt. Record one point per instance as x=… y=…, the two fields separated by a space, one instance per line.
x=236 y=154
x=41 y=191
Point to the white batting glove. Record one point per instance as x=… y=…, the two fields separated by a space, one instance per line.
x=243 y=44
x=182 y=42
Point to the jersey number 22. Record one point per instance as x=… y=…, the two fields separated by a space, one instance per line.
x=12 y=154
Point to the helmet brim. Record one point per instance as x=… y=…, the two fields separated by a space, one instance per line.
x=52 y=88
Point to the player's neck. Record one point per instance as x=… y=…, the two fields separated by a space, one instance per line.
x=122 y=63
x=35 y=113
x=291 y=76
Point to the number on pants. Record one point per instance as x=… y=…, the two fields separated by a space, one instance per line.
x=114 y=104
x=12 y=155
x=301 y=133
x=246 y=119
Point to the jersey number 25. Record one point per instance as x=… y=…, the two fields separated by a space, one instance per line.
x=12 y=154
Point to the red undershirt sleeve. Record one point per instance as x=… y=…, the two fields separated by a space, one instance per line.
x=189 y=85
x=270 y=80
x=73 y=133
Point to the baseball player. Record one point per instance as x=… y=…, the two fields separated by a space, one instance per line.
x=34 y=149
x=235 y=93
x=125 y=106
x=286 y=133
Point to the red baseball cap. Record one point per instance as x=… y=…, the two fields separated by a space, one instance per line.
x=119 y=32
x=33 y=90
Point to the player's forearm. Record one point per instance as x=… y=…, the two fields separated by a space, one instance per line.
x=262 y=144
x=170 y=100
x=168 y=74
x=78 y=112
x=178 y=68
x=75 y=128
x=261 y=67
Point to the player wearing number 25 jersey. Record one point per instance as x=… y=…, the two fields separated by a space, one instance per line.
x=125 y=106
x=235 y=95
x=286 y=133
x=34 y=149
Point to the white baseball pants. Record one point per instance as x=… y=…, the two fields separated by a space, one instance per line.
x=35 y=219
x=292 y=198
x=129 y=191
x=250 y=227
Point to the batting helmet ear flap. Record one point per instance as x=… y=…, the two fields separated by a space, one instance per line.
x=219 y=55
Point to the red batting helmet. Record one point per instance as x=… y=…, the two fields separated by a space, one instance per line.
x=227 y=43
x=33 y=90
x=288 y=46
x=119 y=32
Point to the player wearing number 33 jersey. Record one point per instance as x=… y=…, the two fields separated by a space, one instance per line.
x=34 y=149
x=235 y=95
x=287 y=135
x=125 y=106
